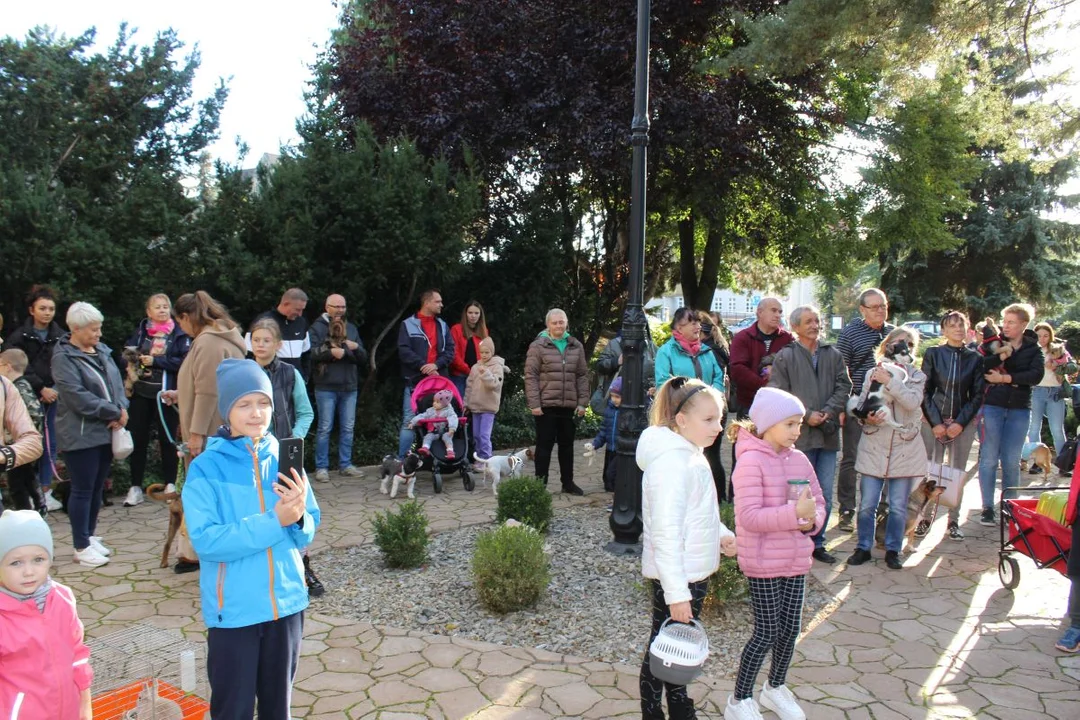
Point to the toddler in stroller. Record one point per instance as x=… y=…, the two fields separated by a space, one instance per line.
x=446 y=422
x=439 y=421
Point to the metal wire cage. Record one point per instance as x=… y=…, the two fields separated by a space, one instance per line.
x=147 y=673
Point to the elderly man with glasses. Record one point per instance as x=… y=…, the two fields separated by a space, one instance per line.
x=857 y=343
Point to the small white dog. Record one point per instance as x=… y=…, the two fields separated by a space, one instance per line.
x=497 y=467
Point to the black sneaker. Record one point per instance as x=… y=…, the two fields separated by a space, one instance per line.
x=183 y=566
x=847 y=518
x=572 y=489
x=315 y=587
x=859 y=557
x=822 y=555
x=922 y=528
x=955 y=533
x=988 y=518
x=892 y=559
x=1035 y=470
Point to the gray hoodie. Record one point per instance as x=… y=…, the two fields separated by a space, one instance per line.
x=91 y=393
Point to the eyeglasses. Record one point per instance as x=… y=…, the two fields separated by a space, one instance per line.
x=882 y=306
x=336 y=307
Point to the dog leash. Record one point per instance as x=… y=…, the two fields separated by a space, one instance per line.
x=181 y=447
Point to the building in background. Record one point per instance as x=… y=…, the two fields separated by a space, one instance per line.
x=735 y=307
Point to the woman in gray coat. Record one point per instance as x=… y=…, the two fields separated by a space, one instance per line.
x=91 y=405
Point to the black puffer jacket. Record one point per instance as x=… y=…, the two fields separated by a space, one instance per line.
x=1025 y=366
x=954 y=384
x=38 y=353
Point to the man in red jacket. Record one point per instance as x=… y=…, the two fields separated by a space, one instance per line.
x=752 y=351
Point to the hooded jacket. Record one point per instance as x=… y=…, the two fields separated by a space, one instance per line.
x=38 y=353
x=413 y=345
x=680 y=517
x=45 y=663
x=197 y=381
x=483 y=389
x=554 y=378
x=824 y=388
x=20 y=441
x=91 y=395
x=771 y=543
x=330 y=374
x=1025 y=365
x=251 y=567
x=673 y=360
x=885 y=452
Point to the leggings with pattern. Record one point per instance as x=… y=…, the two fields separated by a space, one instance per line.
x=777 y=604
x=679 y=703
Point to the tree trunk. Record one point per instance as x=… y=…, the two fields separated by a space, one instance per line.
x=710 y=265
x=369 y=381
x=687 y=256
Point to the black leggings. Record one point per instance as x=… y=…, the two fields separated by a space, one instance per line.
x=23 y=485
x=680 y=706
x=777 y=604
x=555 y=425
x=144 y=415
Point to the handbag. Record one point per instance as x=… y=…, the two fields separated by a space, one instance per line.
x=122 y=443
x=948 y=477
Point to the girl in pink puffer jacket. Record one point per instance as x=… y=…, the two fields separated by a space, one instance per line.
x=774 y=535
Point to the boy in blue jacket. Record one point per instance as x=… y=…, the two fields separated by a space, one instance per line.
x=249 y=524
x=608 y=434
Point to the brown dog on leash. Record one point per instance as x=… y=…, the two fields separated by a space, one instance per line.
x=1042 y=456
x=924 y=493
x=156 y=492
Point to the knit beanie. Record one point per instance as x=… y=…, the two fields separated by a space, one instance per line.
x=237 y=378
x=19 y=528
x=616 y=386
x=771 y=405
x=445 y=397
x=487 y=344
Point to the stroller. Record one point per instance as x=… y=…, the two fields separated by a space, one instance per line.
x=422 y=396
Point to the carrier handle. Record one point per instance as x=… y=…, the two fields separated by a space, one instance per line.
x=693 y=622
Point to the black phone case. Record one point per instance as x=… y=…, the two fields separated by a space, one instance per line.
x=290 y=456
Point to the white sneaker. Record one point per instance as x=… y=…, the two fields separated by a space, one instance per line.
x=170 y=488
x=95 y=542
x=51 y=503
x=743 y=710
x=782 y=702
x=351 y=471
x=89 y=557
x=134 y=496
x=322 y=475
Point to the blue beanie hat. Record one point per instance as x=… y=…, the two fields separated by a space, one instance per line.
x=19 y=528
x=616 y=386
x=237 y=378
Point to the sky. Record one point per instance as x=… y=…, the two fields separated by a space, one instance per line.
x=262 y=49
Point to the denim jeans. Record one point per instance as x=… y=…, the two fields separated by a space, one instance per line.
x=1053 y=410
x=406 y=436
x=824 y=462
x=482 y=425
x=869 y=496
x=1003 y=435
x=343 y=405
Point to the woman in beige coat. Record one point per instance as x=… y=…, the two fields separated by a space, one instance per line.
x=889 y=457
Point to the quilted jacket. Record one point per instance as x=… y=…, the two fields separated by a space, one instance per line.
x=556 y=379
x=769 y=539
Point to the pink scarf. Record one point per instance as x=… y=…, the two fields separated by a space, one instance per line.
x=691 y=346
x=165 y=328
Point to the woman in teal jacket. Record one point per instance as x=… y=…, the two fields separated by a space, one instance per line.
x=249 y=525
x=685 y=355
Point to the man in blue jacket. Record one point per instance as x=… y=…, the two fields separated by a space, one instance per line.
x=424 y=348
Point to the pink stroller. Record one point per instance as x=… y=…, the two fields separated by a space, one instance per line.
x=437 y=462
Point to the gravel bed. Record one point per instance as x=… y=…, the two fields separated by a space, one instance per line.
x=596 y=605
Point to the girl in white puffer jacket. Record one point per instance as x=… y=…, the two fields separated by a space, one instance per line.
x=683 y=534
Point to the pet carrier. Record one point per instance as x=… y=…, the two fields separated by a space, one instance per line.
x=678 y=652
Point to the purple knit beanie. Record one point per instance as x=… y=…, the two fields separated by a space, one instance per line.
x=771 y=405
x=616 y=386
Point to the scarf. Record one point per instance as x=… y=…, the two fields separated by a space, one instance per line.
x=155 y=328
x=38 y=596
x=693 y=347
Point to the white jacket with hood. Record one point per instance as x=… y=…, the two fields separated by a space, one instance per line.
x=682 y=527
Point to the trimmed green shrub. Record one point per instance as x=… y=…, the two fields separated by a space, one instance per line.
x=727 y=584
x=402 y=536
x=526 y=500
x=510 y=569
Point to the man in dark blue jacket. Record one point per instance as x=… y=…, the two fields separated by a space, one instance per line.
x=424 y=348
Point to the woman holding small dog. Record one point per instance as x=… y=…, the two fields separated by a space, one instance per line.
x=683 y=535
x=159 y=346
x=1048 y=397
x=890 y=459
x=1013 y=363
x=951 y=403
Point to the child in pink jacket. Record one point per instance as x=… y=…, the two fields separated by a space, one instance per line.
x=46 y=666
x=774 y=533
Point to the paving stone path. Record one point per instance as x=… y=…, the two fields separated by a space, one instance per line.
x=940 y=639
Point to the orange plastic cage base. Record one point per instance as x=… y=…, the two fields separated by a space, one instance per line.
x=113 y=704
